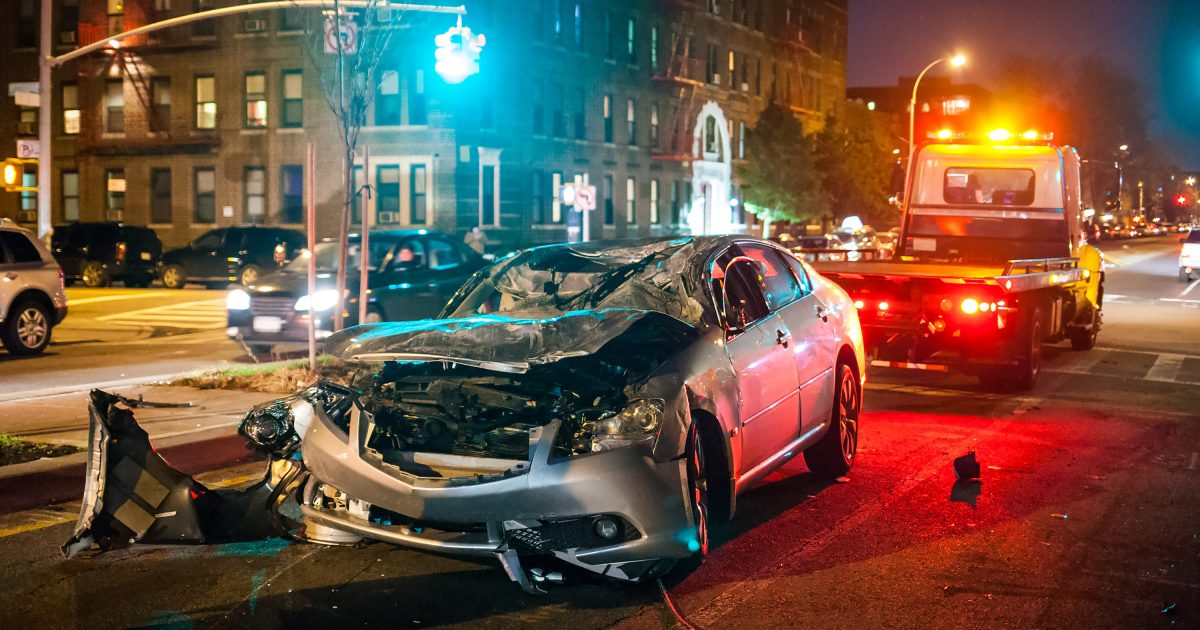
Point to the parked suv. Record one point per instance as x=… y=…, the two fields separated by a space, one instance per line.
x=96 y=254
x=1189 y=256
x=232 y=254
x=32 y=301
x=412 y=275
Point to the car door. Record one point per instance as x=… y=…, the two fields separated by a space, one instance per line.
x=408 y=290
x=206 y=259
x=448 y=265
x=759 y=350
x=812 y=318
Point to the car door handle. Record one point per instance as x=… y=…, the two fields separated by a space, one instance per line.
x=822 y=312
x=782 y=338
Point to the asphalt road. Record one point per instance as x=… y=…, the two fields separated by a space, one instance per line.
x=116 y=334
x=1086 y=517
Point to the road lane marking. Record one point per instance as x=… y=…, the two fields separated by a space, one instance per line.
x=1189 y=288
x=1166 y=368
x=109 y=298
x=198 y=314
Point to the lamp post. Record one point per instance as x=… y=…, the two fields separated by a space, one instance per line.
x=956 y=61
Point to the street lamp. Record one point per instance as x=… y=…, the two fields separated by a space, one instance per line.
x=957 y=61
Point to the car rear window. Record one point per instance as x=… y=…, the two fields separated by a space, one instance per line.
x=20 y=249
x=1193 y=236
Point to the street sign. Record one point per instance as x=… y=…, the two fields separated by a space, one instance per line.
x=585 y=198
x=29 y=149
x=344 y=36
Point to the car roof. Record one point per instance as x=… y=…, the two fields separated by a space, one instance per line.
x=390 y=234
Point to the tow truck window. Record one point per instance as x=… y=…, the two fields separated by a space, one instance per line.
x=988 y=186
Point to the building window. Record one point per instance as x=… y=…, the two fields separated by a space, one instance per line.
x=387 y=191
x=70 y=104
x=538 y=196
x=631 y=121
x=29 y=205
x=418 y=195
x=291 y=20
x=27 y=24
x=114 y=106
x=556 y=181
x=608 y=200
x=654 y=125
x=204 y=28
x=630 y=200
x=732 y=68
x=291 y=112
x=758 y=76
x=580 y=115
x=610 y=36
x=675 y=196
x=68 y=23
x=714 y=7
x=539 y=108
x=114 y=194
x=487 y=195
x=256 y=100
x=654 y=216
x=711 y=145
x=741 y=139
x=116 y=16
x=254 y=188
x=654 y=48
x=204 y=204
x=417 y=114
x=578 y=25
x=160 y=195
x=291 y=193
x=631 y=41
x=27 y=122
x=70 y=195
x=713 y=74
x=608 y=118
x=387 y=101
x=950 y=107
x=160 y=103
x=206 y=102
x=559 y=118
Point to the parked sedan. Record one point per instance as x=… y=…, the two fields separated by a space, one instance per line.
x=412 y=274
x=102 y=252
x=598 y=405
x=233 y=254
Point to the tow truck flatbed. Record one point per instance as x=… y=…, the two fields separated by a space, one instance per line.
x=1014 y=277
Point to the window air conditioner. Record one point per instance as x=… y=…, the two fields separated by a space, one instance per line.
x=253 y=25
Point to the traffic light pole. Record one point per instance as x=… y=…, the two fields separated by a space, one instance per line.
x=47 y=62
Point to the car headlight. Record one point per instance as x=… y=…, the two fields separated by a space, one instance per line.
x=636 y=423
x=321 y=300
x=237 y=300
x=270 y=427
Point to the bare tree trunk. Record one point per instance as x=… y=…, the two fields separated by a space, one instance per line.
x=347 y=171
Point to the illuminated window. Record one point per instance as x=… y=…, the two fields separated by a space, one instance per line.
x=70 y=195
x=956 y=105
x=204 y=195
x=871 y=106
x=608 y=199
x=116 y=16
x=630 y=200
x=114 y=106
x=631 y=121
x=292 y=109
x=654 y=215
x=631 y=41
x=418 y=196
x=654 y=47
x=254 y=189
x=206 y=102
x=654 y=125
x=608 y=118
x=256 y=100
x=114 y=194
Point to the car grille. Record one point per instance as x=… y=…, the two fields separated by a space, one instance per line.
x=559 y=535
x=272 y=306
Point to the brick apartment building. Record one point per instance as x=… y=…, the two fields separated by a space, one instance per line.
x=207 y=124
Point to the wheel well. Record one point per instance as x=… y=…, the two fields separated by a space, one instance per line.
x=722 y=486
x=36 y=296
x=846 y=355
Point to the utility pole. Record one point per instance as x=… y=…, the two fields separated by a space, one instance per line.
x=45 y=116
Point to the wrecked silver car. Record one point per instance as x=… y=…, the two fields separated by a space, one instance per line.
x=599 y=404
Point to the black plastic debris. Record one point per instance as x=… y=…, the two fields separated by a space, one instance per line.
x=966 y=467
x=966 y=491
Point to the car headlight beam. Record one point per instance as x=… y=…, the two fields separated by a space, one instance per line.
x=321 y=300
x=237 y=300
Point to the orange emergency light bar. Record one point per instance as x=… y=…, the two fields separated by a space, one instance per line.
x=997 y=136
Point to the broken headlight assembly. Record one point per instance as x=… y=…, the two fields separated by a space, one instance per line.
x=637 y=423
x=276 y=427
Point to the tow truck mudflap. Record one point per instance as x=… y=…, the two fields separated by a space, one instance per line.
x=132 y=495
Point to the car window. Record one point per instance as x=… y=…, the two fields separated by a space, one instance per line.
x=443 y=254
x=801 y=274
x=779 y=286
x=211 y=240
x=740 y=289
x=20 y=249
x=1193 y=236
x=409 y=256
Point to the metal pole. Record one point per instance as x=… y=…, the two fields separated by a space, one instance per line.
x=912 y=123
x=586 y=216
x=310 y=191
x=45 y=117
x=364 y=249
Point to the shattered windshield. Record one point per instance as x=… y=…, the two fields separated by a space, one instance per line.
x=554 y=280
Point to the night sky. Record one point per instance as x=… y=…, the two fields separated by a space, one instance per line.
x=1156 y=40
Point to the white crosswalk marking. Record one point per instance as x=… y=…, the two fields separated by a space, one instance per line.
x=199 y=314
x=1166 y=367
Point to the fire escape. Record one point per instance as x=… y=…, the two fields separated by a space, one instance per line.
x=144 y=123
x=683 y=75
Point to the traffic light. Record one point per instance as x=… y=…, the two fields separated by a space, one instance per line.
x=457 y=54
x=13 y=172
x=1181 y=200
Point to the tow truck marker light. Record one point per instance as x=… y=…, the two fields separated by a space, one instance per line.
x=999 y=135
x=883 y=306
x=970 y=306
x=858 y=304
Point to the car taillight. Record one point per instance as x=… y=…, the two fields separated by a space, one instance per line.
x=121 y=252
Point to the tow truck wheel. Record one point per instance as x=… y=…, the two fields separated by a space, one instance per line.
x=1031 y=364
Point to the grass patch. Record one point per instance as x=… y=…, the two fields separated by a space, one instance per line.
x=275 y=378
x=14 y=450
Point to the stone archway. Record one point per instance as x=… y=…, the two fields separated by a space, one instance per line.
x=712 y=171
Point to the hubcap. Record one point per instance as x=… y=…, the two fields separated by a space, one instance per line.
x=848 y=414
x=91 y=276
x=699 y=492
x=171 y=277
x=31 y=328
x=249 y=276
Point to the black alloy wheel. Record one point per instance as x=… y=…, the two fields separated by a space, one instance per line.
x=834 y=454
x=697 y=474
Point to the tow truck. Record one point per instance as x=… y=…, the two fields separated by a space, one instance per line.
x=991 y=263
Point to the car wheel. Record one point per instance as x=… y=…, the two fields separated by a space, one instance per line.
x=27 y=330
x=834 y=454
x=698 y=495
x=1184 y=276
x=173 y=277
x=249 y=275
x=94 y=275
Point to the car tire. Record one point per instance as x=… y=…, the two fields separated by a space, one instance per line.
x=94 y=275
x=1030 y=365
x=833 y=455
x=697 y=463
x=27 y=329
x=249 y=275
x=1184 y=276
x=173 y=276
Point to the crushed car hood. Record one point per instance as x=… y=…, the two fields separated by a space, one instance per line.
x=495 y=341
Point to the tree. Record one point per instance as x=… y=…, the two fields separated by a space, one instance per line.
x=780 y=176
x=856 y=164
